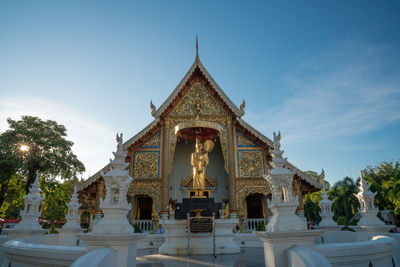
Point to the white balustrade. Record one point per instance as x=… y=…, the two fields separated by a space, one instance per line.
x=250 y=225
x=144 y=225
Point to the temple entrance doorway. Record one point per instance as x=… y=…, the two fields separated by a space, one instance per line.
x=255 y=207
x=143 y=208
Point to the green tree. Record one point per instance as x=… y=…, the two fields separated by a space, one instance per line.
x=384 y=179
x=49 y=152
x=8 y=167
x=13 y=198
x=344 y=200
x=57 y=195
x=312 y=208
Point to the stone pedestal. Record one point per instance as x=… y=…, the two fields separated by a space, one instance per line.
x=68 y=237
x=367 y=232
x=277 y=243
x=114 y=221
x=188 y=205
x=31 y=236
x=178 y=241
x=284 y=217
x=369 y=218
x=124 y=245
x=330 y=227
x=301 y=216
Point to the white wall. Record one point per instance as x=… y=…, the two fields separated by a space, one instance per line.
x=379 y=251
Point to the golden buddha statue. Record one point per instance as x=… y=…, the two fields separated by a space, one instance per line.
x=199 y=162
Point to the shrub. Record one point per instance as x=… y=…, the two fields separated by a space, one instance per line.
x=260 y=227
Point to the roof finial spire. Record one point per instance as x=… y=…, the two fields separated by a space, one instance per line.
x=197 y=47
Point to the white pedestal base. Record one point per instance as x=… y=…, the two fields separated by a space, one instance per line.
x=277 y=243
x=125 y=245
x=31 y=236
x=113 y=222
x=365 y=233
x=68 y=237
x=369 y=218
x=177 y=241
x=284 y=218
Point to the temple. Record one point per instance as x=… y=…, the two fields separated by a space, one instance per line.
x=159 y=157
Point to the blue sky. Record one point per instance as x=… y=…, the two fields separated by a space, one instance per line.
x=324 y=73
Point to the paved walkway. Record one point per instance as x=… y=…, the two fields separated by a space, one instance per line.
x=249 y=257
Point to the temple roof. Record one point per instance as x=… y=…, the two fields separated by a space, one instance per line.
x=235 y=110
x=142 y=133
x=197 y=64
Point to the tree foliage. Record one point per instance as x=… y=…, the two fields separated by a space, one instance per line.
x=57 y=195
x=49 y=153
x=312 y=208
x=384 y=179
x=13 y=198
x=344 y=200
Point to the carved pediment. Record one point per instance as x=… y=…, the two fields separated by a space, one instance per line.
x=198 y=101
x=188 y=181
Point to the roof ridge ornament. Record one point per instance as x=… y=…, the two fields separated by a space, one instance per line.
x=153 y=109
x=242 y=107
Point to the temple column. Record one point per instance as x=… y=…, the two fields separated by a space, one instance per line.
x=231 y=171
x=165 y=171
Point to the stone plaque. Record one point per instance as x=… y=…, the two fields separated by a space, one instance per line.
x=201 y=225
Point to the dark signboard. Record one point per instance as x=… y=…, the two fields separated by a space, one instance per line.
x=200 y=225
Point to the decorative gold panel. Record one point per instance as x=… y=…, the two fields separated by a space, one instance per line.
x=146 y=188
x=248 y=190
x=146 y=164
x=153 y=142
x=198 y=101
x=243 y=141
x=224 y=145
x=250 y=163
x=172 y=146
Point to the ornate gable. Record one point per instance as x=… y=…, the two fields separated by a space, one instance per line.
x=198 y=101
x=153 y=142
x=244 y=141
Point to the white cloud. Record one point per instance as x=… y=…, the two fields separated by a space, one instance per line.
x=93 y=139
x=345 y=90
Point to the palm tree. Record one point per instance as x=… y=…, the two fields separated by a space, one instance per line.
x=344 y=201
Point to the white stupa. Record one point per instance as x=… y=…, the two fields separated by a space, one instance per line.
x=326 y=206
x=68 y=233
x=283 y=203
x=367 y=208
x=72 y=214
x=31 y=212
x=115 y=206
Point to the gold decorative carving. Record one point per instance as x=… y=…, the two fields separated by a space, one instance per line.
x=146 y=164
x=252 y=182
x=251 y=163
x=147 y=188
x=175 y=120
x=188 y=181
x=248 y=190
x=198 y=101
x=153 y=142
x=172 y=146
x=243 y=141
x=223 y=138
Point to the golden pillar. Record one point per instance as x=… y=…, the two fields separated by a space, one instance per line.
x=231 y=170
x=165 y=170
